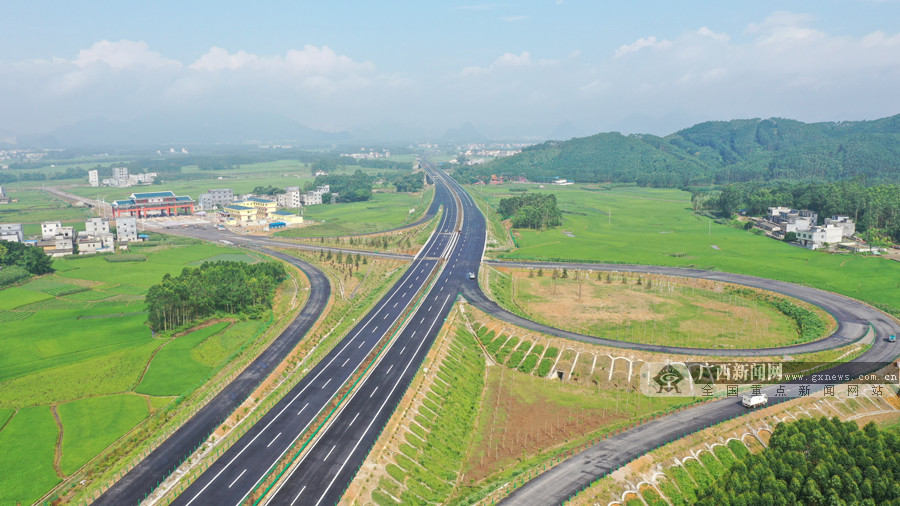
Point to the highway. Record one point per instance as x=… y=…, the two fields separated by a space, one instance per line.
x=328 y=465
x=140 y=481
x=321 y=474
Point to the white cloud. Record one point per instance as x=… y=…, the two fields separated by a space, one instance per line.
x=512 y=60
x=706 y=32
x=641 y=43
x=509 y=61
x=123 y=54
x=217 y=59
x=783 y=65
x=784 y=27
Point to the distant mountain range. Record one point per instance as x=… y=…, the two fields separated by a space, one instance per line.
x=239 y=127
x=716 y=152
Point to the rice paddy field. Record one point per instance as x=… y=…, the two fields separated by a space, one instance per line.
x=657 y=227
x=34 y=206
x=80 y=368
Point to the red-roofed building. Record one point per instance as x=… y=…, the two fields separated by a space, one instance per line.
x=143 y=205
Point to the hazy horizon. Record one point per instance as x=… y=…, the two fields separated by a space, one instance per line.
x=549 y=69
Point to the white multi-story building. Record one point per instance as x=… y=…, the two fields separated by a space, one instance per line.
x=217 y=197
x=97 y=226
x=56 y=240
x=314 y=197
x=4 y=199
x=788 y=215
x=120 y=176
x=93 y=178
x=49 y=229
x=143 y=178
x=289 y=199
x=848 y=228
x=126 y=229
x=96 y=237
x=796 y=225
x=12 y=232
x=816 y=237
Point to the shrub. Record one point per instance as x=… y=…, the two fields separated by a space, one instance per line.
x=12 y=273
x=132 y=257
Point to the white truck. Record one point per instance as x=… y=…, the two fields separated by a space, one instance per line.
x=754 y=401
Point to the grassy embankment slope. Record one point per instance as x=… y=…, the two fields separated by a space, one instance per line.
x=657 y=227
x=76 y=344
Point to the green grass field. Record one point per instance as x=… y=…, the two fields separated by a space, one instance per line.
x=27 y=447
x=93 y=423
x=13 y=297
x=657 y=227
x=386 y=210
x=173 y=370
x=86 y=351
x=34 y=206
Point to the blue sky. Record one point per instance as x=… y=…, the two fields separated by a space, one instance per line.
x=515 y=69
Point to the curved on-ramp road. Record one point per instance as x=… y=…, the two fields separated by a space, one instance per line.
x=142 y=479
x=569 y=477
x=852 y=325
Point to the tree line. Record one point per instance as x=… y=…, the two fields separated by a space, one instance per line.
x=226 y=287
x=822 y=461
x=18 y=261
x=531 y=210
x=407 y=182
x=355 y=187
x=874 y=209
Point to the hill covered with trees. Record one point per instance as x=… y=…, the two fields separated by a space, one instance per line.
x=713 y=153
x=815 y=462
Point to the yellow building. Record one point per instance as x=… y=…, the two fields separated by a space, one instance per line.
x=240 y=214
x=263 y=207
x=287 y=217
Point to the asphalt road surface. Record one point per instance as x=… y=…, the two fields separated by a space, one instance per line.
x=140 y=481
x=327 y=466
x=330 y=463
x=566 y=479
x=324 y=471
x=852 y=325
